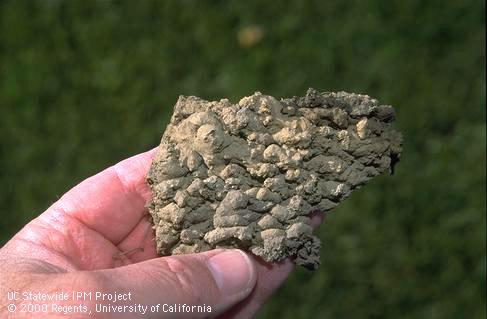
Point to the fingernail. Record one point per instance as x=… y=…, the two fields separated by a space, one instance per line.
x=233 y=272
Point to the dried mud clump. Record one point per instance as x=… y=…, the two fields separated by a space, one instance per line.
x=248 y=175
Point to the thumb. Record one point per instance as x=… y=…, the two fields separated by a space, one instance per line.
x=213 y=280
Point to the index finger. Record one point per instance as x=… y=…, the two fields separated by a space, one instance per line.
x=111 y=202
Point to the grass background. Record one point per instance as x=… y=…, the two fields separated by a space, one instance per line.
x=85 y=84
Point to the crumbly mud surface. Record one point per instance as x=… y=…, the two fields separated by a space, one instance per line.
x=248 y=175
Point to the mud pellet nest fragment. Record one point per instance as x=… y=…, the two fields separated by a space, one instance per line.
x=247 y=175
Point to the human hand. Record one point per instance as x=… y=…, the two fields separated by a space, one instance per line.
x=97 y=237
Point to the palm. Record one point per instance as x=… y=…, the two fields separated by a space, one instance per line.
x=79 y=247
x=101 y=223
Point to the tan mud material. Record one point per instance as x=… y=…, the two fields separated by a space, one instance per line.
x=247 y=175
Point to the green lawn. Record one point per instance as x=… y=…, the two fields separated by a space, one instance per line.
x=85 y=84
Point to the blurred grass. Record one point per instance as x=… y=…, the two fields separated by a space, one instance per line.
x=85 y=84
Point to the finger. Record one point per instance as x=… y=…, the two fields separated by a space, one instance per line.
x=111 y=202
x=140 y=245
x=65 y=242
x=270 y=277
x=317 y=218
x=217 y=279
